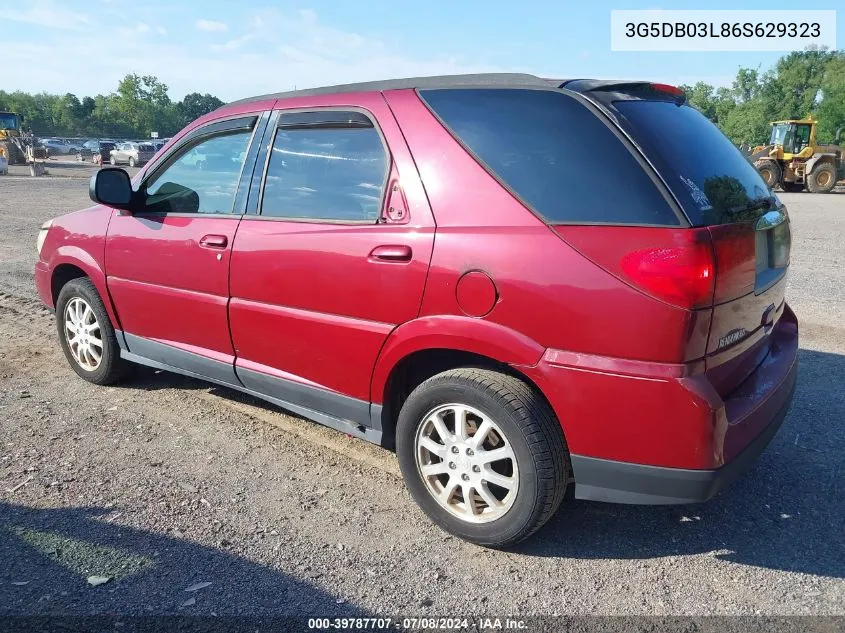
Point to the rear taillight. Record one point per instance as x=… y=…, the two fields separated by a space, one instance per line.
x=736 y=250
x=749 y=257
x=671 y=264
x=688 y=268
x=681 y=274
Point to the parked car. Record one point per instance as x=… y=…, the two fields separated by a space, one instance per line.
x=74 y=144
x=519 y=284
x=132 y=154
x=102 y=149
x=56 y=146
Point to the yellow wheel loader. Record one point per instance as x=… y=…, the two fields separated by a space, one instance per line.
x=15 y=147
x=794 y=160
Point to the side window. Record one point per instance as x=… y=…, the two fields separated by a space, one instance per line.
x=553 y=153
x=329 y=173
x=203 y=177
x=802 y=137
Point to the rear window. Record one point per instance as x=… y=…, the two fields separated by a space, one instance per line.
x=552 y=153
x=713 y=180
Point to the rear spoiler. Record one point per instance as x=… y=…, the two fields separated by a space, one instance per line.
x=617 y=90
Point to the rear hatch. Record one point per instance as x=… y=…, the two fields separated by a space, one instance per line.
x=145 y=152
x=721 y=194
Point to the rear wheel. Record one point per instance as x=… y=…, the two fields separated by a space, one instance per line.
x=131 y=161
x=770 y=171
x=113 y=160
x=483 y=455
x=792 y=187
x=823 y=178
x=86 y=334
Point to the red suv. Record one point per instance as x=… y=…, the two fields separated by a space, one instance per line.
x=521 y=284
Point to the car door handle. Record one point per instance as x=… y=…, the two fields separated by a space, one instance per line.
x=214 y=241
x=392 y=253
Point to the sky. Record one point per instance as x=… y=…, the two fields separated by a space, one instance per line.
x=239 y=48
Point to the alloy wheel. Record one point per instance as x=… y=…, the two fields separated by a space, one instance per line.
x=83 y=334
x=467 y=463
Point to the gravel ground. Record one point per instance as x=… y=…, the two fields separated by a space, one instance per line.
x=165 y=483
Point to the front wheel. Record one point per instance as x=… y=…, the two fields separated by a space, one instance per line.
x=483 y=455
x=86 y=334
x=823 y=178
x=131 y=161
x=770 y=171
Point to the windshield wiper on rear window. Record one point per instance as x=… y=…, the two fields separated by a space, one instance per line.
x=755 y=205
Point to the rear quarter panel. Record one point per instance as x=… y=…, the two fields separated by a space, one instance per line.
x=546 y=290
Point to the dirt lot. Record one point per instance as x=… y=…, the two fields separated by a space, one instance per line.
x=166 y=482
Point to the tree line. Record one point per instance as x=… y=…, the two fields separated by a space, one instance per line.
x=139 y=106
x=810 y=82
x=801 y=84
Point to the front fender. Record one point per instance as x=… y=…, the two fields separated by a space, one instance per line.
x=458 y=333
x=68 y=254
x=817 y=158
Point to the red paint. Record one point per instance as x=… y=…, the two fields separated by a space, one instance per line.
x=664 y=415
x=461 y=333
x=669 y=89
x=76 y=239
x=613 y=324
x=475 y=293
x=165 y=285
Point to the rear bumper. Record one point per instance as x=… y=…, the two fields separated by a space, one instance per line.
x=657 y=433
x=624 y=482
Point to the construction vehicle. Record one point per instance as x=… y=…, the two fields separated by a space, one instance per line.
x=794 y=160
x=16 y=147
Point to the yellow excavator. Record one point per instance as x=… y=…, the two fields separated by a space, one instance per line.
x=794 y=160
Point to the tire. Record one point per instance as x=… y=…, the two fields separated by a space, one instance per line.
x=792 y=187
x=112 y=161
x=523 y=422
x=823 y=178
x=131 y=161
x=111 y=368
x=770 y=171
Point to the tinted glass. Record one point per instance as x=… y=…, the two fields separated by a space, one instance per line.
x=8 y=121
x=802 y=137
x=203 y=179
x=714 y=181
x=555 y=154
x=779 y=133
x=326 y=174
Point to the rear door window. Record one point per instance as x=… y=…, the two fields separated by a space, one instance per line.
x=326 y=173
x=554 y=154
x=714 y=181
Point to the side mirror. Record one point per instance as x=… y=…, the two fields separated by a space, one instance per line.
x=112 y=187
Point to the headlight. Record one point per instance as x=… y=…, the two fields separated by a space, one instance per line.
x=42 y=234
